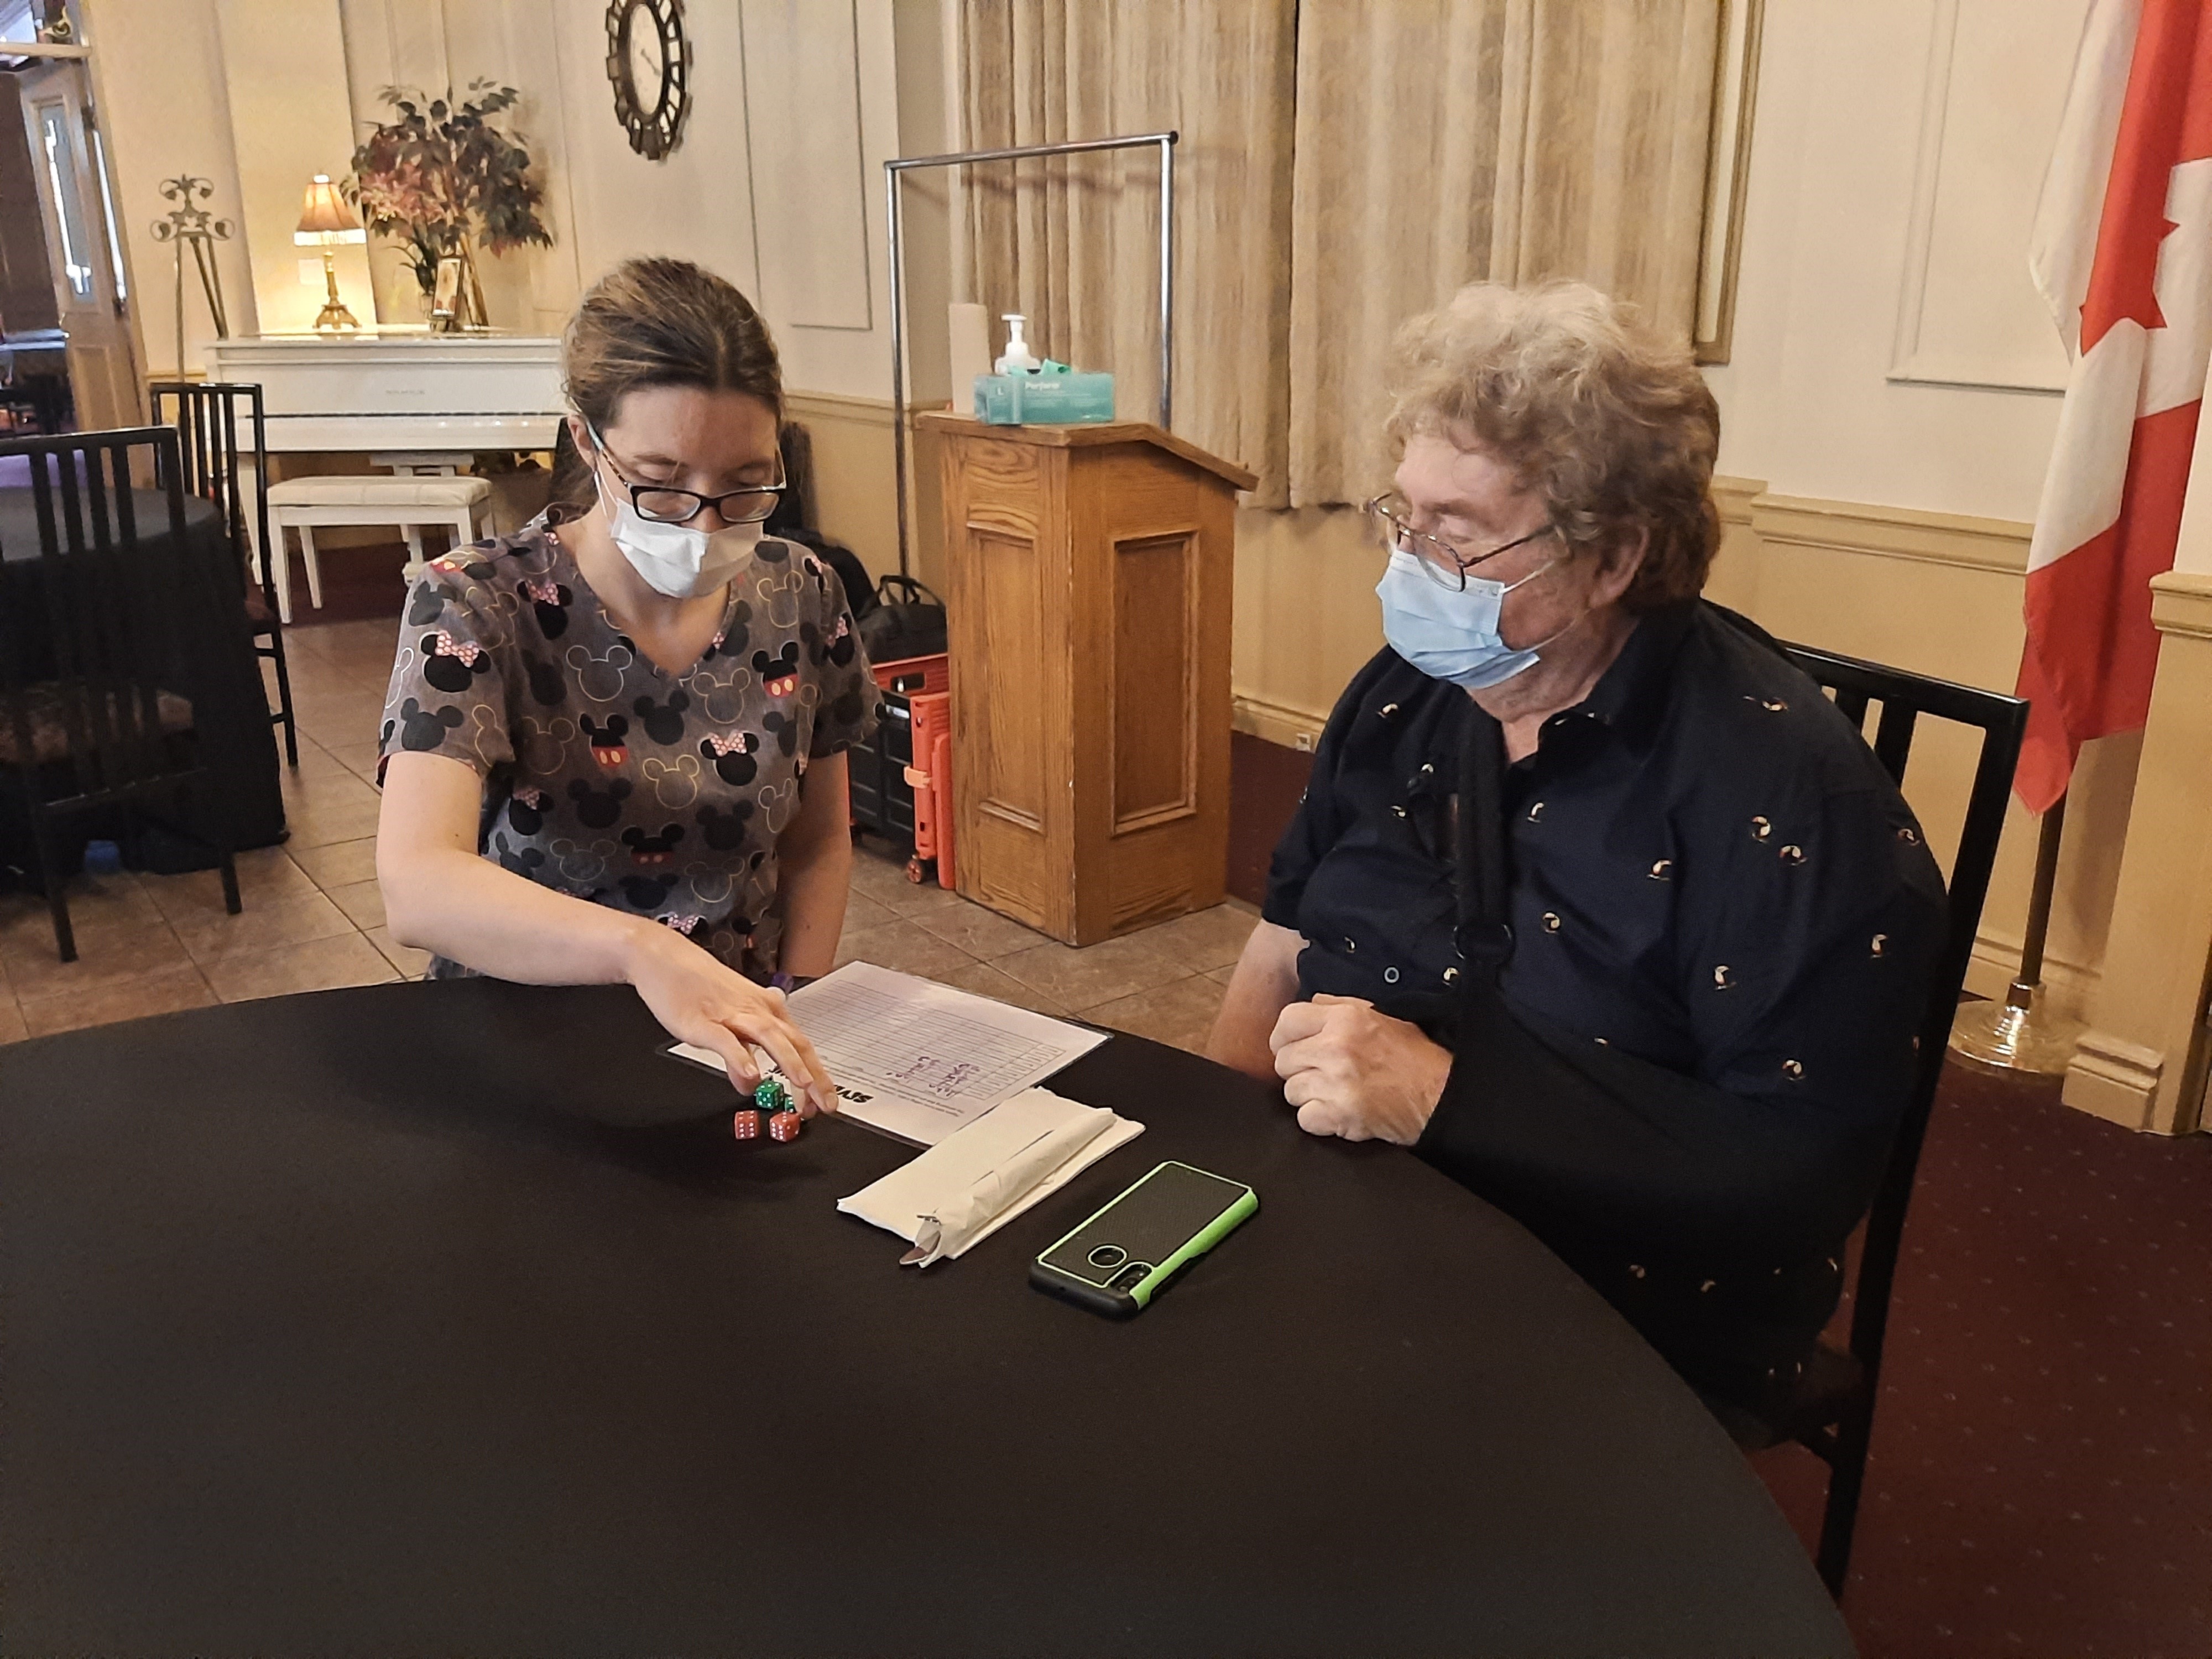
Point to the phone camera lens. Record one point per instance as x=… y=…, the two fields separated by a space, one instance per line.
x=1108 y=1255
x=1131 y=1276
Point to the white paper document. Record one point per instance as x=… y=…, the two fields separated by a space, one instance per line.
x=918 y=1059
x=972 y=1184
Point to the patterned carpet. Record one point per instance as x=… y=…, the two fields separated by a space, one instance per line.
x=2041 y=1477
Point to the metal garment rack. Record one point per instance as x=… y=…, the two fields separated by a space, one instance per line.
x=895 y=169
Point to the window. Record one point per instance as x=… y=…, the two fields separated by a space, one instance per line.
x=69 y=206
x=107 y=208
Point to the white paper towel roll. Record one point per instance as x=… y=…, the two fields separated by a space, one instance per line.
x=968 y=331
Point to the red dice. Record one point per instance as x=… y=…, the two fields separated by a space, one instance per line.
x=784 y=1126
x=747 y=1124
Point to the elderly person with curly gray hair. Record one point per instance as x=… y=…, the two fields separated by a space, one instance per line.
x=1594 y=900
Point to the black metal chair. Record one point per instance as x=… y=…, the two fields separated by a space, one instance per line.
x=96 y=692
x=24 y=409
x=208 y=417
x=1832 y=1414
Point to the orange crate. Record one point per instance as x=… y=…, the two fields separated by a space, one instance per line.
x=932 y=781
x=914 y=677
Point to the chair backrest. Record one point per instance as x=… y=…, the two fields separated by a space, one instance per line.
x=95 y=625
x=2002 y=720
x=218 y=424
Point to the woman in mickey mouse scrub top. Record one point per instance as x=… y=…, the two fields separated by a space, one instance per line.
x=614 y=743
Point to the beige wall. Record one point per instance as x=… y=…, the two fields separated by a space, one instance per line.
x=1888 y=346
x=777 y=183
x=1939 y=594
x=281 y=61
x=159 y=84
x=2144 y=1061
x=853 y=478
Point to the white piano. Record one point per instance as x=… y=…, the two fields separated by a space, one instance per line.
x=400 y=390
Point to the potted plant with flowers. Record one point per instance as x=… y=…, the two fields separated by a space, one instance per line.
x=445 y=178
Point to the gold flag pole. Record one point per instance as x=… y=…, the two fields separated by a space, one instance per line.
x=2023 y=1032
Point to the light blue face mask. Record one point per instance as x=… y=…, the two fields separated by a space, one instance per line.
x=1452 y=636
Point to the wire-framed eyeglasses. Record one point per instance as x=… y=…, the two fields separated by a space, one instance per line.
x=665 y=504
x=1440 y=562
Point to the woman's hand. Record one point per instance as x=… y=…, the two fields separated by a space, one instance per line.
x=699 y=1000
x=1354 y=1072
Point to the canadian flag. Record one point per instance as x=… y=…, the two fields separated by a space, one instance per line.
x=2122 y=254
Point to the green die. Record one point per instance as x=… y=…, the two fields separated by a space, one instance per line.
x=772 y=1095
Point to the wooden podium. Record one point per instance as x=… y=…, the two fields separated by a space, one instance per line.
x=1089 y=583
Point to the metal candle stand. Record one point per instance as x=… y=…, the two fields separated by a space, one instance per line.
x=893 y=170
x=190 y=224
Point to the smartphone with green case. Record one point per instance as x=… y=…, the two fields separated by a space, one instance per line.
x=1117 y=1260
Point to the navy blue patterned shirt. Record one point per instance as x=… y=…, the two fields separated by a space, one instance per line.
x=1709 y=867
x=1723 y=919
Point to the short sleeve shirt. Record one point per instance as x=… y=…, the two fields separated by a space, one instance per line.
x=608 y=779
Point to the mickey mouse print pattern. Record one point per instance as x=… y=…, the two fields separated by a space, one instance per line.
x=605 y=777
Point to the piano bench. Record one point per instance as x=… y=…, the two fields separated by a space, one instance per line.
x=461 y=506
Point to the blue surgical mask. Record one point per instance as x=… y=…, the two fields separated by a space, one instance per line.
x=1451 y=635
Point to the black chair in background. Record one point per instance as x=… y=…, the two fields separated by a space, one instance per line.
x=209 y=417
x=95 y=698
x=24 y=408
x=1832 y=1415
x=34 y=381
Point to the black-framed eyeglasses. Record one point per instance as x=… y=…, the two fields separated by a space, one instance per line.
x=1440 y=562
x=665 y=504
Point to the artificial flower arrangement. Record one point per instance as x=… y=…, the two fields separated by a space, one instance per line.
x=444 y=176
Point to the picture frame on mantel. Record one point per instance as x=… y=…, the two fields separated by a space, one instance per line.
x=446 y=294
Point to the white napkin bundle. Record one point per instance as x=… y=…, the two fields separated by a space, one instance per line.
x=974 y=1181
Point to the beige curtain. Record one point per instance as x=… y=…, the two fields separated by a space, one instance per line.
x=1436 y=142
x=1439 y=141
x=1072 y=242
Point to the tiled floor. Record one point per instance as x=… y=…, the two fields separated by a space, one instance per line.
x=313 y=918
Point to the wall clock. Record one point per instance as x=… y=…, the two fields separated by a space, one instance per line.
x=649 y=61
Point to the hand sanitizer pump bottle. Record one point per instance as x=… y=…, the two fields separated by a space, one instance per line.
x=1016 y=359
x=1026 y=391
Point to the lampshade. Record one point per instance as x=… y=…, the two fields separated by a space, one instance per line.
x=327 y=217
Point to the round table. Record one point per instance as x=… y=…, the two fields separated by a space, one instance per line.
x=382 y=1320
x=217 y=657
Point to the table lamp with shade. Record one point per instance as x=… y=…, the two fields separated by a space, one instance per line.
x=325 y=220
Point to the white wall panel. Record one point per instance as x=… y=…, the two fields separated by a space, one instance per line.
x=1806 y=402
x=283 y=64
x=307 y=72
x=695 y=203
x=163 y=111
x=810 y=196
x=1996 y=77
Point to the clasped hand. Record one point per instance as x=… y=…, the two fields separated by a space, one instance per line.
x=1355 y=1072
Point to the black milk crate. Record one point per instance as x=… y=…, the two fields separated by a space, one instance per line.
x=883 y=800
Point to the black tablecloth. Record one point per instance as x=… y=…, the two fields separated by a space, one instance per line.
x=229 y=706
x=333 y=1324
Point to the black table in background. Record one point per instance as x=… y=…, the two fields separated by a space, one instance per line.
x=36 y=363
x=330 y=1324
x=230 y=706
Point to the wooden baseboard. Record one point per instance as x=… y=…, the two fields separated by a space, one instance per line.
x=1283 y=723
